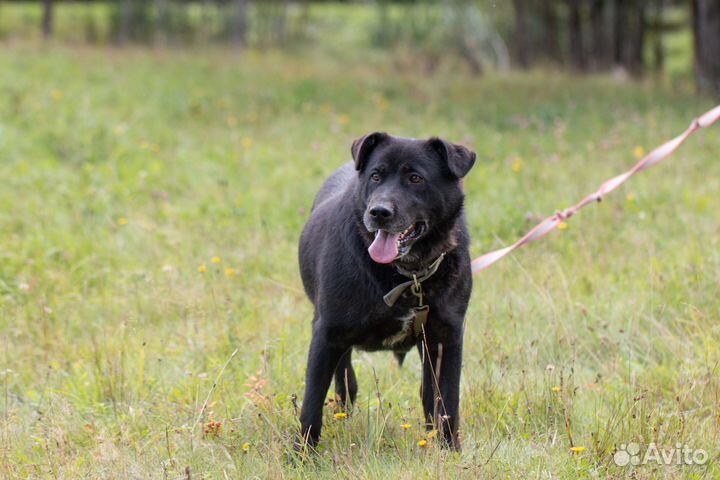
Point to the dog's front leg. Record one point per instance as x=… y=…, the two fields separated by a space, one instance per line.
x=441 y=388
x=322 y=360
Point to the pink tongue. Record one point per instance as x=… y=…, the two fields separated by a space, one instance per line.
x=384 y=249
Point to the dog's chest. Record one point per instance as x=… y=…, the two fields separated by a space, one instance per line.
x=396 y=330
x=405 y=325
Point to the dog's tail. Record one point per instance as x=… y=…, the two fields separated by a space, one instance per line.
x=400 y=357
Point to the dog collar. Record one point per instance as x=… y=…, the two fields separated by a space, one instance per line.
x=416 y=282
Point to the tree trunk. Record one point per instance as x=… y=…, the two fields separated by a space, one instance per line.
x=466 y=52
x=47 y=19
x=162 y=13
x=630 y=27
x=550 y=42
x=706 y=29
x=280 y=30
x=522 y=48
x=619 y=27
x=206 y=16
x=658 y=47
x=636 y=62
x=577 y=53
x=240 y=25
x=599 y=57
x=124 y=21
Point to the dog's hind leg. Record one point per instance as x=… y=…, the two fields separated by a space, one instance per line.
x=345 y=381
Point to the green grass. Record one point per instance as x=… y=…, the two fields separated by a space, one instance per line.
x=124 y=171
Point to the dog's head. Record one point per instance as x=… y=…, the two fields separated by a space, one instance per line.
x=409 y=190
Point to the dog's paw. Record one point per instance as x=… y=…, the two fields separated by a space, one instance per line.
x=302 y=451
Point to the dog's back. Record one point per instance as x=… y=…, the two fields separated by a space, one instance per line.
x=323 y=220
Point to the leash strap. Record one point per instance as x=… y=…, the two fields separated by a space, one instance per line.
x=551 y=223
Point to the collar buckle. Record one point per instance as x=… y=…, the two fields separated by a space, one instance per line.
x=415 y=284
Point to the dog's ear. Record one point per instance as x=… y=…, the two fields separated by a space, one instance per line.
x=458 y=159
x=363 y=147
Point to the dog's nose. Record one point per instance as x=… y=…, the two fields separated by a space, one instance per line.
x=380 y=212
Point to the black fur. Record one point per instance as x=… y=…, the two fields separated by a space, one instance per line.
x=346 y=286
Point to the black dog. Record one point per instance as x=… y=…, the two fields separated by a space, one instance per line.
x=384 y=259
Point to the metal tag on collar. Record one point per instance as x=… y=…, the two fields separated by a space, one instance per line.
x=416 y=289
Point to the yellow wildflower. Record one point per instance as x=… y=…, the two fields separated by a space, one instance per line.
x=577 y=449
x=56 y=95
x=246 y=447
x=639 y=152
x=215 y=259
x=517 y=165
x=382 y=103
x=432 y=434
x=630 y=197
x=343 y=119
x=556 y=389
x=405 y=426
x=230 y=272
x=340 y=416
x=122 y=221
x=422 y=443
x=202 y=268
x=562 y=226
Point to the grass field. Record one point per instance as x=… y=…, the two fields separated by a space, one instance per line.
x=150 y=206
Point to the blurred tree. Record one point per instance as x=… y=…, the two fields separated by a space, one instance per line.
x=162 y=20
x=657 y=29
x=240 y=23
x=91 y=32
x=629 y=34
x=550 y=38
x=271 y=21
x=599 y=32
x=593 y=35
x=130 y=21
x=522 y=48
x=123 y=25
x=47 y=18
x=459 y=29
x=706 y=29
x=575 y=29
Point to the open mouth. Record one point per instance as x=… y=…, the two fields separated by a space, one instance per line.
x=388 y=246
x=408 y=236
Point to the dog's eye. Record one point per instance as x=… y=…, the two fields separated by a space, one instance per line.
x=375 y=177
x=414 y=178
